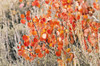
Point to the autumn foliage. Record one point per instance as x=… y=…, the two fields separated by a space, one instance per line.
x=63 y=24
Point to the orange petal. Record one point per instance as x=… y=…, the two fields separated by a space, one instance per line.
x=37 y=50
x=22 y=16
x=58 y=53
x=30 y=24
x=71 y=56
x=26 y=43
x=20 y=0
x=47 y=1
x=35 y=40
x=85 y=16
x=32 y=44
x=20 y=42
x=25 y=37
x=47 y=51
x=68 y=50
x=59 y=60
x=23 y=21
x=40 y=55
x=34 y=33
x=28 y=13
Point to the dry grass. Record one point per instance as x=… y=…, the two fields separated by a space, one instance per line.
x=12 y=35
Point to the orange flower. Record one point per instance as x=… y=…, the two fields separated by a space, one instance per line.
x=20 y=42
x=36 y=3
x=28 y=18
x=35 y=40
x=89 y=50
x=47 y=51
x=58 y=53
x=40 y=55
x=68 y=50
x=28 y=13
x=37 y=50
x=32 y=44
x=20 y=0
x=21 y=52
x=30 y=24
x=25 y=37
x=34 y=32
x=22 y=16
x=60 y=45
x=49 y=31
x=23 y=21
x=47 y=1
x=26 y=43
x=85 y=16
